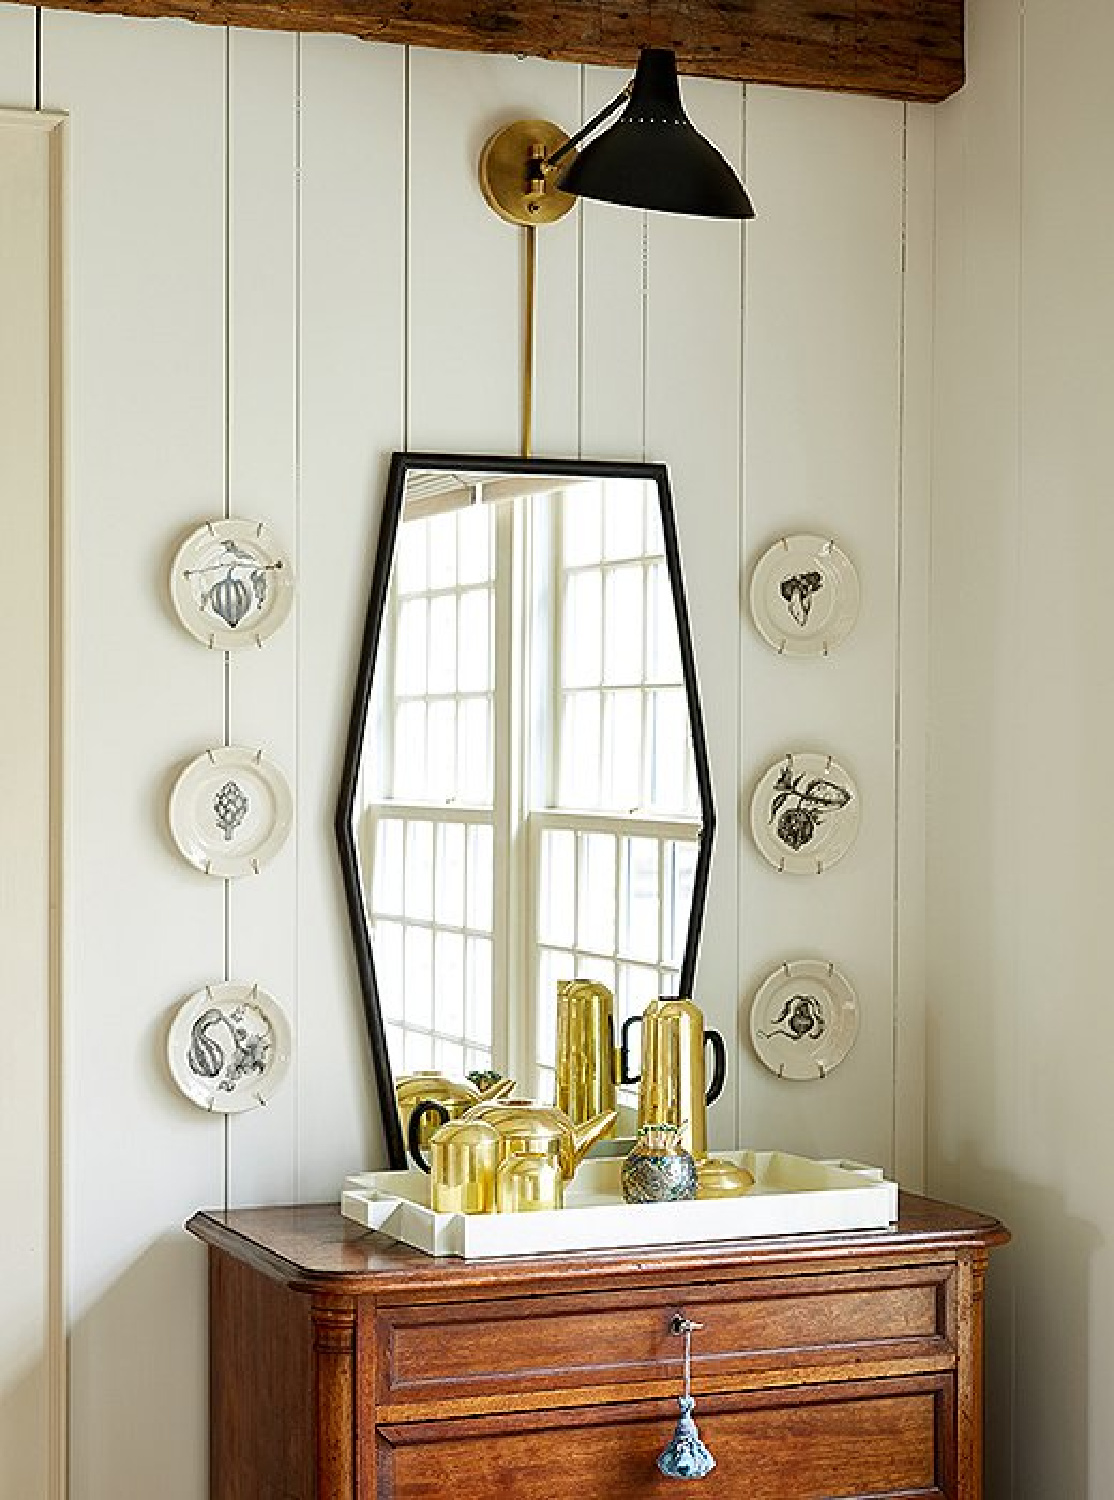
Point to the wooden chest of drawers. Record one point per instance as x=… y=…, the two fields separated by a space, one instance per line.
x=346 y=1367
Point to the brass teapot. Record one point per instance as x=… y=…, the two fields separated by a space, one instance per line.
x=436 y=1099
x=526 y=1128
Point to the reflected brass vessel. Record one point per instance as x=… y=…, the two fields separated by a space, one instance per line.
x=463 y=1157
x=587 y=1057
x=527 y=1129
x=453 y=1096
x=672 y=1087
x=528 y=1182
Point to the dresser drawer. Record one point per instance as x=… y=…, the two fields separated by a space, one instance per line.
x=478 y=1355
x=888 y=1438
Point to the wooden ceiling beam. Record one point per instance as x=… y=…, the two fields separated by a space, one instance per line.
x=900 y=49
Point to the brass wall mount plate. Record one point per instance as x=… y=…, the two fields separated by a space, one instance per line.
x=509 y=186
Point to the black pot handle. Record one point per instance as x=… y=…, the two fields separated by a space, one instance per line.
x=625 y=1074
x=414 y=1129
x=719 y=1066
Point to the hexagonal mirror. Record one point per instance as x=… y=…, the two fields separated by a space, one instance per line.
x=526 y=795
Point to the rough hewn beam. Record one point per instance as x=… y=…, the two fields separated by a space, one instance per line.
x=904 y=49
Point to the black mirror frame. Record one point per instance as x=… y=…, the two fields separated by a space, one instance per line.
x=401 y=463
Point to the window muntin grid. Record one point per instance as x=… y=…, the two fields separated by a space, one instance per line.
x=428 y=831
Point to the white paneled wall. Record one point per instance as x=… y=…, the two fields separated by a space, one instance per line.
x=281 y=270
x=1021 y=840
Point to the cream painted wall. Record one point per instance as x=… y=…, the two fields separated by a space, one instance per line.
x=281 y=270
x=1021 y=870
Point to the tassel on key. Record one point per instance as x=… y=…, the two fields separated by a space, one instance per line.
x=685 y=1456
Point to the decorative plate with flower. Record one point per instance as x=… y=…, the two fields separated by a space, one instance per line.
x=231 y=584
x=805 y=813
x=804 y=1019
x=804 y=595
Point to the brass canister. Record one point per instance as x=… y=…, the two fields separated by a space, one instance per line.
x=463 y=1158
x=587 y=1057
x=672 y=1083
x=527 y=1182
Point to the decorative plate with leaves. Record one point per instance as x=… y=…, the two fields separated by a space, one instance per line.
x=229 y=1047
x=804 y=595
x=230 y=811
x=804 y=1019
x=805 y=813
x=231 y=584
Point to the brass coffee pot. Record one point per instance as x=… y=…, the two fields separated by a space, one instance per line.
x=527 y=1129
x=671 y=1082
x=587 y=1057
x=446 y=1098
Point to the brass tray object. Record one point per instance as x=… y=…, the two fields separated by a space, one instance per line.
x=588 y=1060
x=672 y=1087
x=451 y=1098
x=716 y=1177
x=463 y=1157
x=527 y=1128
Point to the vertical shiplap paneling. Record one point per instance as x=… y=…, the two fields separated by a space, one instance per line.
x=693 y=410
x=612 y=305
x=822 y=422
x=17 y=57
x=977 y=1086
x=911 y=665
x=262 y=429
x=27 y=1100
x=1062 y=715
x=350 y=366
x=464 y=308
x=146 y=461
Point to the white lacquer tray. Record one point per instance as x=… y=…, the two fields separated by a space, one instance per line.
x=791 y=1195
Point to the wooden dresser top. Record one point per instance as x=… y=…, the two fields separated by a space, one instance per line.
x=313 y=1247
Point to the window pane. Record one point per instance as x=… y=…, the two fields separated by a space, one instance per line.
x=474 y=780
x=441 y=751
x=474 y=669
x=596 y=916
x=442 y=644
x=478 y=990
x=681 y=867
x=449 y=982
x=558 y=884
x=622 y=640
x=663 y=647
x=640 y=910
x=580 y=751
x=670 y=751
x=622 y=788
x=419 y=870
x=481 y=878
x=386 y=888
x=419 y=977
x=417 y=1052
x=449 y=869
x=450 y=1058
x=409 y=751
x=386 y=947
x=553 y=966
x=582 y=630
x=411 y=647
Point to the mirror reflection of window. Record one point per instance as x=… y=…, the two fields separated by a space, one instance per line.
x=546 y=757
